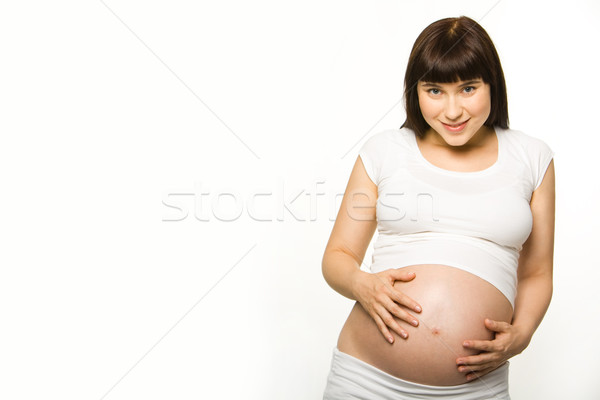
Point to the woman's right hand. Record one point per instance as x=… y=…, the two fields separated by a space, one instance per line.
x=377 y=295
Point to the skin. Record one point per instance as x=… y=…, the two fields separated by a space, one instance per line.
x=455 y=103
x=468 y=150
x=534 y=289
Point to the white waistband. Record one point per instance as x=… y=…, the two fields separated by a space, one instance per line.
x=350 y=376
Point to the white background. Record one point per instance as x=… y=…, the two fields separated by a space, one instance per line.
x=117 y=115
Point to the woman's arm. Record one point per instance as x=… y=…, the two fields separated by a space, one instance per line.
x=351 y=234
x=534 y=289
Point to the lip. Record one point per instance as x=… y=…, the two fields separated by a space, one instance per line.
x=456 y=128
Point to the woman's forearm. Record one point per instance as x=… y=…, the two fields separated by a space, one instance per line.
x=341 y=272
x=533 y=298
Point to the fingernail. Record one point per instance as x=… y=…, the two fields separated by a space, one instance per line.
x=415 y=322
x=418 y=308
x=466 y=344
x=404 y=335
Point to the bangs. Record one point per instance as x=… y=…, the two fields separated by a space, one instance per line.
x=448 y=51
x=451 y=61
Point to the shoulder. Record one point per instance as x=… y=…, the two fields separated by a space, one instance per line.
x=386 y=138
x=530 y=151
x=376 y=151
x=395 y=141
x=523 y=141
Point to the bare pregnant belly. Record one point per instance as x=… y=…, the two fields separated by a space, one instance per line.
x=455 y=304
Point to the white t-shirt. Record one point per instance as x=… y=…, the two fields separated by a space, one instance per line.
x=475 y=221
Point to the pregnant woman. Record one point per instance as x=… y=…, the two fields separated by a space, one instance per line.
x=461 y=274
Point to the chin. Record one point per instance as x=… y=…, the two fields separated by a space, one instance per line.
x=458 y=138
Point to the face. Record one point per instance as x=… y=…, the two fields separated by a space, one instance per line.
x=456 y=111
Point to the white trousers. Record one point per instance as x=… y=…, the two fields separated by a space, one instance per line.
x=351 y=378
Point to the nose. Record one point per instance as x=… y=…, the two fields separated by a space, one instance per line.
x=453 y=109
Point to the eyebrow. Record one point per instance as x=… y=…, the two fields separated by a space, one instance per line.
x=472 y=82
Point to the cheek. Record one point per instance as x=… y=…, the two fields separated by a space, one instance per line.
x=428 y=108
x=481 y=106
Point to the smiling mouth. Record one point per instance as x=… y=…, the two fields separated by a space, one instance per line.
x=455 y=125
x=456 y=128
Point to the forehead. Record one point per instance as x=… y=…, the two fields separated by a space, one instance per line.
x=452 y=84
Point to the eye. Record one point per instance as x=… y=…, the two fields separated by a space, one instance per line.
x=469 y=89
x=434 y=91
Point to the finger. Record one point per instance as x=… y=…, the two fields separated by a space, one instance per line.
x=383 y=328
x=479 y=359
x=405 y=300
x=401 y=313
x=483 y=345
x=497 y=326
x=476 y=367
x=401 y=275
x=391 y=322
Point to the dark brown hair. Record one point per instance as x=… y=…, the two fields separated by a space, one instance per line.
x=452 y=50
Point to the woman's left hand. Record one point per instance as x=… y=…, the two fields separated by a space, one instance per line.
x=509 y=342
